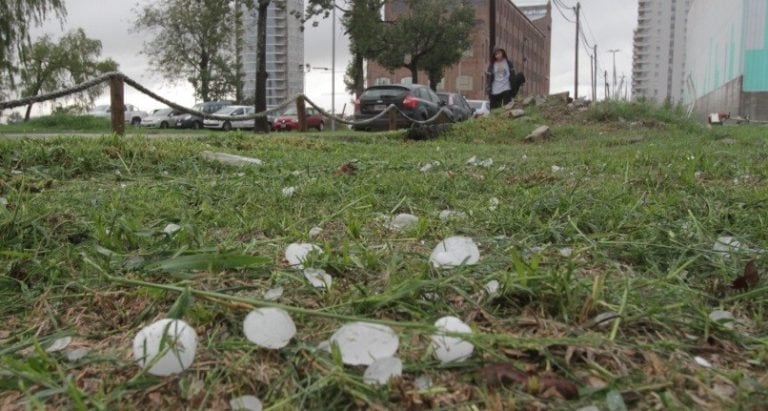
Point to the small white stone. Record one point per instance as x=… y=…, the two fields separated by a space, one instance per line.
x=269 y=327
x=451 y=349
x=296 y=253
x=273 y=294
x=455 y=251
x=171 y=228
x=246 y=402
x=363 y=343
x=318 y=277
x=174 y=340
x=402 y=222
x=315 y=231
x=382 y=370
x=59 y=344
x=289 y=191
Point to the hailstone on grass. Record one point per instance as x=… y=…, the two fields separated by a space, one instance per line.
x=725 y=245
x=296 y=253
x=382 y=370
x=451 y=349
x=289 y=191
x=273 y=294
x=246 y=402
x=59 y=344
x=452 y=215
x=318 y=278
x=167 y=347
x=363 y=343
x=269 y=327
x=455 y=251
x=402 y=222
x=171 y=228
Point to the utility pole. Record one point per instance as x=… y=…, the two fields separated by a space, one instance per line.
x=576 y=76
x=594 y=75
x=333 y=69
x=607 y=87
x=614 y=51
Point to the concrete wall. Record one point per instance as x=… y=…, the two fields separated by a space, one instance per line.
x=726 y=99
x=755 y=105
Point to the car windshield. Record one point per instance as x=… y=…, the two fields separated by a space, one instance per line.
x=163 y=112
x=228 y=110
x=384 y=92
x=290 y=111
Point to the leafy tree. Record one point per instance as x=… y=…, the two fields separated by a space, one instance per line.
x=48 y=66
x=430 y=35
x=16 y=18
x=193 y=39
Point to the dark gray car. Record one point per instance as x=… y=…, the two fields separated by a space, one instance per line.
x=458 y=105
x=209 y=107
x=416 y=101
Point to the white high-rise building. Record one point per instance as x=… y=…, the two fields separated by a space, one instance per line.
x=658 y=69
x=285 y=52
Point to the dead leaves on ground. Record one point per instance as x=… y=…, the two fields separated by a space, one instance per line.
x=547 y=385
x=749 y=279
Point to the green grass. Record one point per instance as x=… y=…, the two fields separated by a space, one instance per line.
x=639 y=202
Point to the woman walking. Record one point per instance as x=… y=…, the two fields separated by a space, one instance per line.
x=499 y=78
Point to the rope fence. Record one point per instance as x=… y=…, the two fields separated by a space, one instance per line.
x=117 y=80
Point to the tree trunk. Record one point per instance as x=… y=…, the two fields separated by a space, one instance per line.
x=434 y=80
x=414 y=72
x=359 y=75
x=29 y=112
x=238 y=50
x=205 y=76
x=261 y=125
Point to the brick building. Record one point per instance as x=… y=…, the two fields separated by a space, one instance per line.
x=523 y=31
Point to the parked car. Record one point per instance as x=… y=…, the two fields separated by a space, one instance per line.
x=457 y=104
x=417 y=101
x=162 y=118
x=289 y=120
x=482 y=107
x=195 y=122
x=132 y=114
x=231 y=111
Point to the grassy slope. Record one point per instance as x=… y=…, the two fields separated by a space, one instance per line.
x=639 y=200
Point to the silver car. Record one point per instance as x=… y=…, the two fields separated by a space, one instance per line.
x=162 y=118
x=231 y=111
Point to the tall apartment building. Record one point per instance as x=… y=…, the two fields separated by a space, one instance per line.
x=659 y=58
x=525 y=32
x=285 y=52
x=728 y=58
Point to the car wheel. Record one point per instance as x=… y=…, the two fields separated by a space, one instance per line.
x=135 y=121
x=227 y=126
x=163 y=125
x=197 y=125
x=321 y=126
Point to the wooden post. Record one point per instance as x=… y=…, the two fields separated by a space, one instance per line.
x=117 y=104
x=301 y=113
x=392 y=119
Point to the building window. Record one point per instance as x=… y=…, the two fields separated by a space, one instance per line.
x=406 y=80
x=382 y=81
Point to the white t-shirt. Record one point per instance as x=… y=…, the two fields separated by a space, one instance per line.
x=501 y=75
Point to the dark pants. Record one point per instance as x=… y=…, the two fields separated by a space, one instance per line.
x=501 y=100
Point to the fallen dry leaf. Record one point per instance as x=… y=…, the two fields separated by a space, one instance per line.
x=547 y=385
x=346 y=169
x=749 y=279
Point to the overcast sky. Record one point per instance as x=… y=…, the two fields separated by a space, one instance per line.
x=609 y=23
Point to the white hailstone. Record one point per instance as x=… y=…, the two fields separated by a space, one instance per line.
x=77 y=354
x=382 y=370
x=171 y=228
x=274 y=294
x=725 y=245
x=167 y=346
x=289 y=191
x=269 y=327
x=702 y=362
x=492 y=287
x=324 y=346
x=455 y=251
x=724 y=318
x=59 y=344
x=565 y=252
x=363 y=343
x=493 y=203
x=452 y=215
x=240 y=174
x=451 y=349
x=318 y=277
x=423 y=382
x=315 y=231
x=472 y=161
x=525 y=157
x=296 y=253
x=556 y=169
x=426 y=168
x=402 y=222
x=246 y=402
x=3 y=201
x=486 y=163
x=297 y=173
